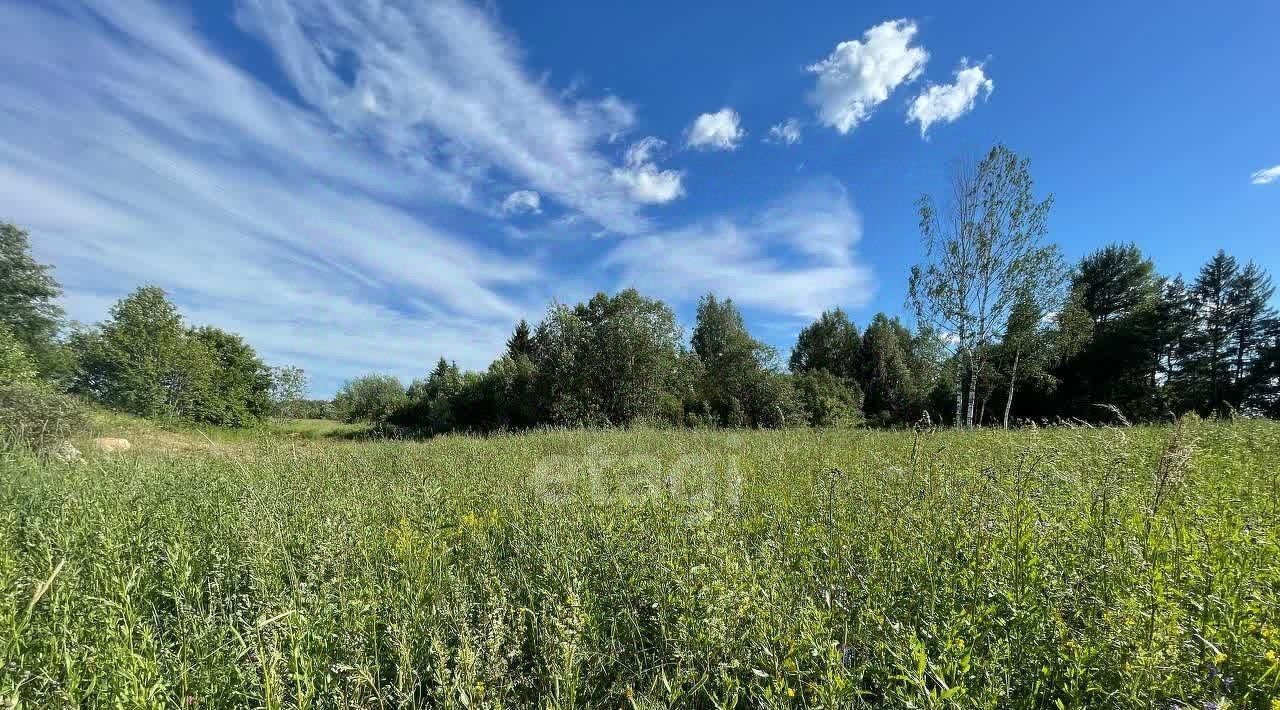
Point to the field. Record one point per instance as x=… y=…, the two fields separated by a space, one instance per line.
x=1135 y=567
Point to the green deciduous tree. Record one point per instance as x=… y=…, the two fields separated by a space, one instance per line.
x=370 y=398
x=828 y=400
x=240 y=383
x=1025 y=347
x=890 y=386
x=737 y=370
x=830 y=343
x=289 y=386
x=28 y=298
x=15 y=362
x=610 y=361
x=985 y=250
x=143 y=361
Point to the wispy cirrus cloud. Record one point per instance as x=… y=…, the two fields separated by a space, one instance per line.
x=136 y=154
x=793 y=258
x=784 y=133
x=1265 y=176
x=441 y=79
x=354 y=216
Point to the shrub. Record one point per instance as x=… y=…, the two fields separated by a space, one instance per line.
x=828 y=400
x=305 y=409
x=371 y=398
x=33 y=415
x=15 y=363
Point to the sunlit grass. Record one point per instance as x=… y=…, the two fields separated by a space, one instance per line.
x=1081 y=567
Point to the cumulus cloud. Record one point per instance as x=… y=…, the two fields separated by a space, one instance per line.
x=716 y=131
x=786 y=133
x=947 y=102
x=859 y=75
x=1264 y=177
x=643 y=179
x=794 y=257
x=522 y=201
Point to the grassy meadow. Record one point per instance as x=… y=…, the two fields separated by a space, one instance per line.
x=296 y=567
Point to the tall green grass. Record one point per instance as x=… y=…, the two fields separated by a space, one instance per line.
x=1053 y=568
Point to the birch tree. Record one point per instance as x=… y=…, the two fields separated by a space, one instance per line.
x=984 y=249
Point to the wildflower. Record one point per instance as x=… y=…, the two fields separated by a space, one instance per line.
x=1271 y=656
x=1275 y=704
x=791 y=692
x=1218 y=658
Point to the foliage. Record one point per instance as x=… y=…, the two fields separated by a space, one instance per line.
x=15 y=363
x=828 y=400
x=521 y=341
x=1158 y=347
x=289 y=385
x=981 y=257
x=28 y=293
x=608 y=361
x=144 y=361
x=307 y=409
x=370 y=398
x=737 y=380
x=830 y=343
x=893 y=389
x=240 y=383
x=1116 y=568
x=33 y=415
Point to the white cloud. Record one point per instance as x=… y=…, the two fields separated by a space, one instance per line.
x=643 y=179
x=643 y=151
x=611 y=117
x=522 y=201
x=138 y=156
x=1264 y=177
x=795 y=257
x=448 y=86
x=786 y=133
x=947 y=102
x=716 y=131
x=860 y=75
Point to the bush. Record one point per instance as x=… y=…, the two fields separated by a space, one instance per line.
x=371 y=398
x=828 y=400
x=33 y=415
x=15 y=363
x=305 y=409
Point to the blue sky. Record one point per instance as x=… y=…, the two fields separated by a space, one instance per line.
x=364 y=185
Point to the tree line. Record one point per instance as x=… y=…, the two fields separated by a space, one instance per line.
x=1004 y=331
